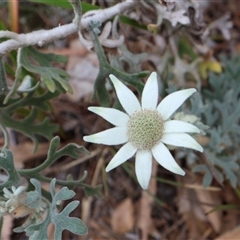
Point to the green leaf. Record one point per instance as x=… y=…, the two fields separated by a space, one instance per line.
x=132 y=22
x=40 y=102
x=220 y=109
x=71 y=150
x=38 y=230
x=43 y=67
x=49 y=84
x=7 y=163
x=62 y=3
x=64 y=194
x=100 y=90
x=2 y=26
x=224 y=208
x=53 y=147
x=27 y=127
x=93 y=191
x=65 y=4
x=33 y=198
x=185 y=48
x=3 y=80
x=62 y=221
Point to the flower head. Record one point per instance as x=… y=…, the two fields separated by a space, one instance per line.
x=145 y=128
x=15 y=198
x=14 y=202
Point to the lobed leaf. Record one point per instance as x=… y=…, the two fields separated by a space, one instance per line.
x=48 y=74
x=220 y=109
x=38 y=230
x=7 y=163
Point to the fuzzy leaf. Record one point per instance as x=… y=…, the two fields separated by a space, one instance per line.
x=33 y=198
x=39 y=230
x=219 y=106
x=48 y=74
x=7 y=163
x=71 y=149
x=3 y=80
x=132 y=60
x=61 y=220
x=93 y=191
x=27 y=127
x=73 y=225
x=64 y=194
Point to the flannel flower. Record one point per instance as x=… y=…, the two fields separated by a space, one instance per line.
x=145 y=129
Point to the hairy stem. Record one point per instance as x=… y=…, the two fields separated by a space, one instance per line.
x=42 y=37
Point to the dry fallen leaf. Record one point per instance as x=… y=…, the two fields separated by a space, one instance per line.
x=122 y=219
x=232 y=234
x=210 y=199
x=193 y=204
x=192 y=213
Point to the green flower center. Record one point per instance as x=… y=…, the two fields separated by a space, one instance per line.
x=145 y=129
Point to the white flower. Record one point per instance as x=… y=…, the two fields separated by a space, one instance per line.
x=145 y=128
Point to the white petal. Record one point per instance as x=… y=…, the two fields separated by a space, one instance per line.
x=181 y=140
x=124 y=153
x=112 y=115
x=112 y=136
x=173 y=101
x=165 y=159
x=125 y=96
x=143 y=168
x=150 y=93
x=179 y=127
